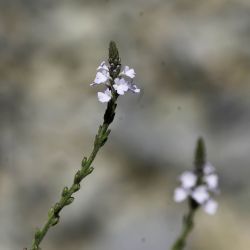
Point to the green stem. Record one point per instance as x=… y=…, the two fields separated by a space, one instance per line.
x=188 y=220
x=188 y=224
x=86 y=169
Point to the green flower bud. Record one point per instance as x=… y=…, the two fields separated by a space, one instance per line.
x=65 y=191
x=69 y=201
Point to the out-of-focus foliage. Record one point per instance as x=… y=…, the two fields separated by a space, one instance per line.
x=192 y=60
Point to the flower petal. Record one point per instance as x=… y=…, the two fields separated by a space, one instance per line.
x=208 y=168
x=128 y=72
x=180 y=194
x=134 y=88
x=210 y=206
x=103 y=66
x=121 y=89
x=121 y=86
x=211 y=181
x=200 y=194
x=101 y=77
x=104 y=97
x=188 y=179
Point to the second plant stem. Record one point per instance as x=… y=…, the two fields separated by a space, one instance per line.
x=86 y=169
x=188 y=223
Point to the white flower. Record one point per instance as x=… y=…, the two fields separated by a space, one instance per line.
x=134 y=88
x=103 y=66
x=128 y=72
x=121 y=86
x=200 y=194
x=210 y=206
x=200 y=190
x=211 y=181
x=101 y=77
x=208 y=169
x=104 y=97
x=180 y=194
x=188 y=179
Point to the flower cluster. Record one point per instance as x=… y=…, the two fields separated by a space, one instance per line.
x=121 y=84
x=201 y=191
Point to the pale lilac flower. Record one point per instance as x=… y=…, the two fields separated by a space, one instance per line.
x=200 y=191
x=122 y=83
x=180 y=194
x=210 y=206
x=134 y=88
x=208 y=168
x=104 y=97
x=128 y=72
x=211 y=181
x=102 y=75
x=200 y=194
x=188 y=179
x=103 y=66
x=121 y=86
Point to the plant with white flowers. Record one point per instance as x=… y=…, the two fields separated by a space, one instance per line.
x=198 y=187
x=203 y=192
x=117 y=83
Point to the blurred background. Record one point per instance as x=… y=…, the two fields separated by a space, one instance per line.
x=192 y=60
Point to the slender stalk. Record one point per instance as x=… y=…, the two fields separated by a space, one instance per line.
x=86 y=169
x=188 y=224
x=188 y=219
x=66 y=198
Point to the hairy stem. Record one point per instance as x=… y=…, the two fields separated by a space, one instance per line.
x=66 y=197
x=86 y=169
x=188 y=219
x=188 y=224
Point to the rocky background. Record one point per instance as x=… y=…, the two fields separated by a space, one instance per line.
x=192 y=60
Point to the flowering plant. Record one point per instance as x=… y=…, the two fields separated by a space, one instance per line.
x=200 y=192
x=120 y=82
x=198 y=186
x=117 y=84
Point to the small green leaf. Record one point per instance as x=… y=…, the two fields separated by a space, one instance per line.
x=88 y=171
x=84 y=161
x=107 y=132
x=69 y=201
x=99 y=129
x=51 y=212
x=57 y=208
x=65 y=191
x=37 y=234
x=55 y=221
x=76 y=187
x=78 y=177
